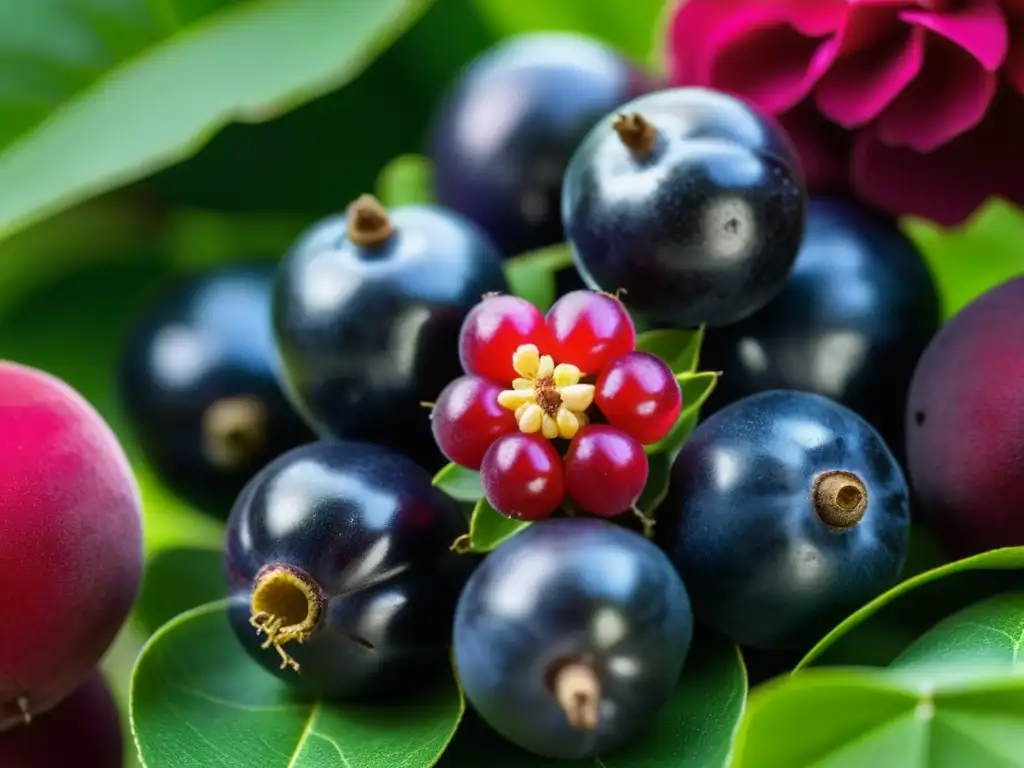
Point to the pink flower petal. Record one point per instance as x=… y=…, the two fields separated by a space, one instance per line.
x=945 y=186
x=824 y=147
x=862 y=84
x=1013 y=67
x=867 y=25
x=765 y=59
x=949 y=97
x=688 y=33
x=978 y=27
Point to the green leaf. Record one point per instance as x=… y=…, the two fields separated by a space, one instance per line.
x=988 y=633
x=459 y=483
x=100 y=94
x=632 y=27
x=881 y=630
x=697 y=388
x=532 y=275
x=832 y=718
x=488 y=528
x=177 y=580
x=969 y=260
x=197 y=698
x=679 y=349
x=694 y=729
x=406 y=180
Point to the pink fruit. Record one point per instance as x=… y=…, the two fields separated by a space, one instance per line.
x=70 y=541
x=965 y=425
x=83 y=731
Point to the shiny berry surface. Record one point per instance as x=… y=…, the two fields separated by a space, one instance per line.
x=494 y=329
x=70 y=540
x=339 y=564
x=786 y=513
x=467 y=419
x=572 y=617
x=589 y=330
x=522 y=476
x=851 y=322
x=689 y=200
x=965 y=425
x=605 y=470
x=197 y=379
x=504 y=133
x=639 y=394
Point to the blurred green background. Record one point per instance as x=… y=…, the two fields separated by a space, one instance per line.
x=95 y=94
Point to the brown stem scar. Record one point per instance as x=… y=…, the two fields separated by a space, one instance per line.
x=369 y=224
x=840 y=499
x=636 y=134
x=578 y=691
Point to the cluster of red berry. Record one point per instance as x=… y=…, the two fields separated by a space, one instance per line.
x=555 y=406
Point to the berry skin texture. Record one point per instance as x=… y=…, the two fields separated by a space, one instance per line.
x=83 y=730
x=367 y=311
x=70 y=540
x=605 y=470
x=338 y=558
x=786 y=512
x=590 y=330
x=504 y=133
x=964 y=426
x=639 y=394
x=691 y=201
x=853 y=319
x=467 y=419
x=197 y=379
x=571 y=635
x=522 y=477
x=494 y=329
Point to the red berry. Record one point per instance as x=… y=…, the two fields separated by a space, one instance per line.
x=467 y=419
x=83 y=730
x=70 y=540
x=522 y=477
x=639 y=394
x=605 y=470
x=589 y=330
x=494 y=329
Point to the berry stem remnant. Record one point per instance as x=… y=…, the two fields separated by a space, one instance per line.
x=287 y=606
x=578 y=690
x=637 y=134
x=234 y=430
x=840 y=499
x=368 y=222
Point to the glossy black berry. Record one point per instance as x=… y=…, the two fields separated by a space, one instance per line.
x=786 y=512
x=338 y=560
x=197 y=380
x=571 y=636
x=367 y=313
x=504 y=134
x=854 y=317
x=691 y=201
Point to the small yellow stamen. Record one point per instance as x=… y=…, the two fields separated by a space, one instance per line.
x=566 y=375
x=531 y=419
x=513 y=399
x=549 y=427
x=568 y=424
x=545 y=369
x=577 y=397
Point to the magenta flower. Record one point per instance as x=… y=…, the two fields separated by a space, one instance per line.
x=916 y=105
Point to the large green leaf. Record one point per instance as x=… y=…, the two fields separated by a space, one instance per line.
x=198 y=699
x=532 y=275
x=679 y=349
x=969 y=260
x=96 y=94
x=881 y=630
x=460 y=483
x=847 y=718
x=488 y=528
x=989 y=632
x=176 y=580
x=693 y=730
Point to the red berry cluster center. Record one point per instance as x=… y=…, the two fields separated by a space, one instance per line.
x=556 y=408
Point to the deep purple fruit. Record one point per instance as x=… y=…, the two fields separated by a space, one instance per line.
x=965 y=425
x=84 y=730
x=70 y=541
x=504 y=134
